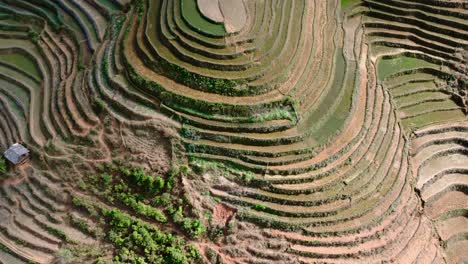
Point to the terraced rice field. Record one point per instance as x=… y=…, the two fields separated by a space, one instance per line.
x=309 y=131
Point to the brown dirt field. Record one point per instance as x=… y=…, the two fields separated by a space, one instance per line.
x=452 y=226
x=235 y=15
x=440 y=184
x=211 y=10
x=35 y=256
x=422 y=238
x=222 y=214
x=225 y=258
x=448 y=201
x=457 y=253
x=16 y=177
x=439 y=164
x=148 y=148
x=417 y=143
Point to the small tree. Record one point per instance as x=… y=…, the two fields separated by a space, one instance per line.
x=64 y=256
x=99 y=106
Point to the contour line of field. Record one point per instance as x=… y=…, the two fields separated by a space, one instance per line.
x=185 y=91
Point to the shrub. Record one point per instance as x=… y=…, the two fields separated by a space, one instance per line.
x=55 y=232
x=163 y=200
x=84 y=204
x=65 y=255
x=141 y=208
x=247 y=177
x=99 y=105
x=193 y=227
x=138 y=191
x=149 y=183
x=260 y=207
x=137 y=242
x=33 y=35
x=3 y=167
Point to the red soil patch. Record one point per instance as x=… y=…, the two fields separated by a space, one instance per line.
x=222 y=214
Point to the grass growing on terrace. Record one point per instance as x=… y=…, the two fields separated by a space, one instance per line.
x=192 y=15
x=109 y=5
x=22 y=62
x=346 y=3
x=336 y=120
x=420 y=121
x=386 y=67
x=3 y=168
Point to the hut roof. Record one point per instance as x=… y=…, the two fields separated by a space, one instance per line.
x=16 y=153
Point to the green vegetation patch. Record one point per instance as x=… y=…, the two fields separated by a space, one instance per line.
x=324 y=110
x=191 y=14
x=420 y=121
x=389 y=66
x=421 y=97
x=180 y=74
x=134 y=206
x=110 y=5
x=151 y=197
x=430 y=106
x=3 y=167
x=22 y=62
x=137 y=242
x=347 y=3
